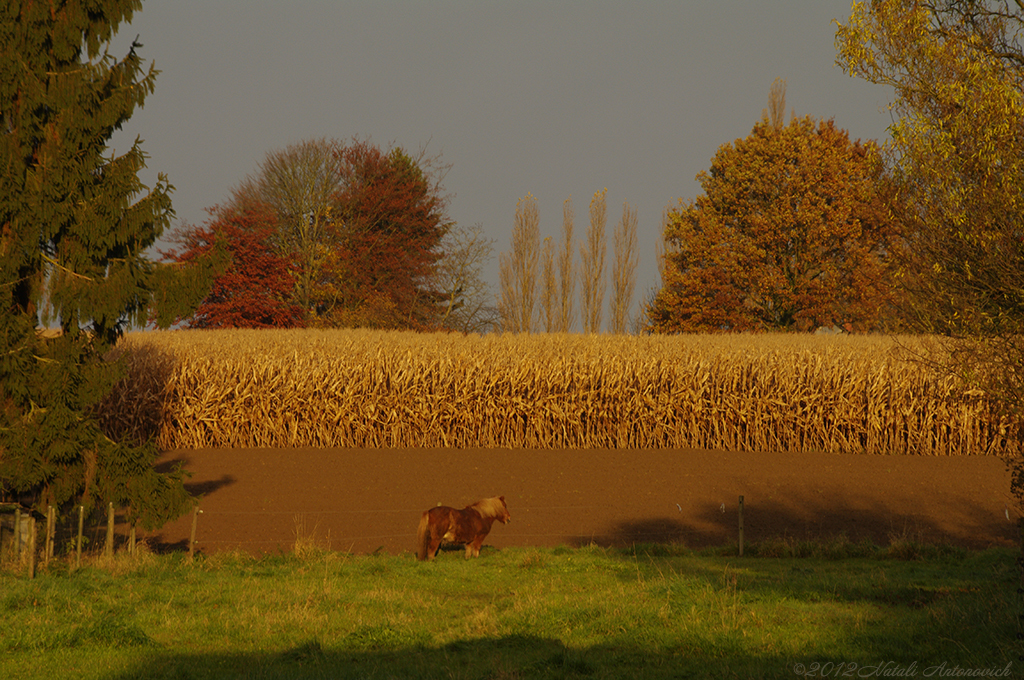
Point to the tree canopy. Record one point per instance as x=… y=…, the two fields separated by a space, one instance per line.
x=299 y=184
x=957 y=154
x=257 y=287
x=361 y=230
x=384 y=243
x=791 y=233
x=75 y=221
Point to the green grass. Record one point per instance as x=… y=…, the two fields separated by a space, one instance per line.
x=653 y=612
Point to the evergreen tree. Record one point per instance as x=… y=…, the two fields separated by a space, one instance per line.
x=75 y=221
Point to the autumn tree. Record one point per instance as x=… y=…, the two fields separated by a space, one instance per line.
x=592 y=258
x=623 y=268
x=957 y=69
x=566 y=271
x=789 y=234
x=300 y=184
x=518 y=269
x=257 y=287
x=75 y=222
x=775 y=114
x=384 y=242
x=548 y=286
x=465 y=296
x=363 y=227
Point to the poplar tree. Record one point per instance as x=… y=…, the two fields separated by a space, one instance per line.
x=592 y=256
x=624 y=269
x=518 y=269
x=75 y=220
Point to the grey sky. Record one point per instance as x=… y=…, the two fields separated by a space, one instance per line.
x=555 y=98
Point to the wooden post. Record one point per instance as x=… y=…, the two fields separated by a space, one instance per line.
x=32 y=547
x=51 y=529
x=741 y=526
x=131 y=540
x=108 y=548
x=192 y=538
x=17 y=536
x=78 y=549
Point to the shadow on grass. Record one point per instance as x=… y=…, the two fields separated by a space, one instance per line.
x=519 y=656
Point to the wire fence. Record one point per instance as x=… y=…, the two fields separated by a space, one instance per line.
x=22 y=545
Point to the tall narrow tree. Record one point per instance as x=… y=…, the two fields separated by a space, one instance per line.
x=548 y=287
x=592 y=256
x=776 y=112
x=519 y=269
x=75 y=221
x=566 y=271
x=624 y=268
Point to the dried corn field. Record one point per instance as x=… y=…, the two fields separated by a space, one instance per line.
x=347 y=388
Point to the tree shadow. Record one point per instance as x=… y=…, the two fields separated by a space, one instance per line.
x=811 y=519
x=195 y=488
x=368 y=653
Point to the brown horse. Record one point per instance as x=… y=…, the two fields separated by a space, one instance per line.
x=469 y=526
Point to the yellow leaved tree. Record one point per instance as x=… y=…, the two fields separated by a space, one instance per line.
x=957 y=160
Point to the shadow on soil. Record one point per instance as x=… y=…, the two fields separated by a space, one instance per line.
x=809 y=519
x=195 y=488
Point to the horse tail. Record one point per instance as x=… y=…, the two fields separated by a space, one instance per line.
x=423 y=537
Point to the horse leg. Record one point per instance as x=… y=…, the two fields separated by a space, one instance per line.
x=473 y=547
x=432 y=546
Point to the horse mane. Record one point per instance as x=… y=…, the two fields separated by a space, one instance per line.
x=491 y=507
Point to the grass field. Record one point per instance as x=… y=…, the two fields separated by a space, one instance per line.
x=519 y=613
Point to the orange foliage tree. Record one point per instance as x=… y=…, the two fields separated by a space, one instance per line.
x=791 y=233
x=256 y=288
x=382 y=243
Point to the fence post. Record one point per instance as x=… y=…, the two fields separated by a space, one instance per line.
x=741 y=526
x=78 y=549
x=108 y=548
x=51 y=529
x=192 y=538
x=18 y=553
x=32 y=547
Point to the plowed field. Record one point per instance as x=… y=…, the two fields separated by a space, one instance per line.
x=259 y=500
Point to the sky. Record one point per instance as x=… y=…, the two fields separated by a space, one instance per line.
x=560 y=99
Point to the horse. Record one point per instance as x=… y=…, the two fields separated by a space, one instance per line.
x=468 y=526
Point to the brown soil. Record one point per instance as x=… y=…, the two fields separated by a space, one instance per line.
x=259 y=500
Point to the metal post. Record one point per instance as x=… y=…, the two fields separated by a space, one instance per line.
x=192 y=538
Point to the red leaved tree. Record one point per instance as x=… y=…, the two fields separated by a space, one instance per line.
x=383 y=242
x=256 y=288
x=791 y=233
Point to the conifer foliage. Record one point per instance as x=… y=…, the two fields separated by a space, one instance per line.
x=74 y=223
